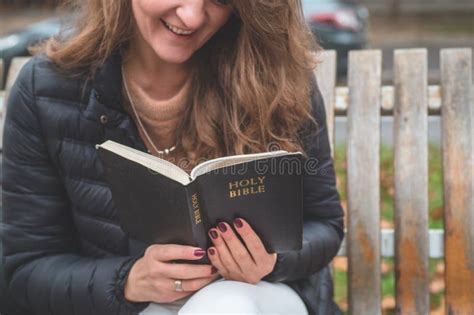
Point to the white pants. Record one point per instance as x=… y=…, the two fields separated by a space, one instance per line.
x=234 y=297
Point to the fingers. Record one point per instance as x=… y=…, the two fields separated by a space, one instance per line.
x=187 y=271
x=238 y=251
x=225 y=256
x=216 y=262
x=170 y=252
x=153 y=276
x=246 y=261
x=176 y=296
x=192 y=285
x=251 y=240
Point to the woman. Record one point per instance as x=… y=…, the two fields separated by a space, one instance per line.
x=185 y=80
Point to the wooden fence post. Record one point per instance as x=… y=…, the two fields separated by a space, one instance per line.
x=363 y=182
x=1 y=74
x=458 y=169
x=14 y=70
x=411 y=181
x=325 y=75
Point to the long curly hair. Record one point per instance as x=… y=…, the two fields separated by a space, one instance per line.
x=251 y=81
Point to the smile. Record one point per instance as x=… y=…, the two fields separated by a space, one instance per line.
x=176 y=30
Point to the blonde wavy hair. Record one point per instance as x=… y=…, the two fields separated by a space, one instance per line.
x=251 y=85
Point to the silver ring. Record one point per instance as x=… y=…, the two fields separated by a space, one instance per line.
x=178 y=285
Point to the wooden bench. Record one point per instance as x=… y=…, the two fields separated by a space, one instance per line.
x=411 y=243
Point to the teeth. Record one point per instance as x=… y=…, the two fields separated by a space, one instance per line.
x=177 y=30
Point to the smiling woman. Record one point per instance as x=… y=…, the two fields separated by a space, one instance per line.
x=185 y=80
x=174 y=35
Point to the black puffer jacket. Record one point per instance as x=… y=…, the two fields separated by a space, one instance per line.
x=64 y=252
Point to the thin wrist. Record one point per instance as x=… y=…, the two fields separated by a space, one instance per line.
x=123 y=274
x=130 y=284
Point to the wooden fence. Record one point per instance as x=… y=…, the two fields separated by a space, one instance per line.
x=410 y=101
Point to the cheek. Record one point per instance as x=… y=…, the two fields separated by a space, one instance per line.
x=146 y=13
x=149 y=7
x=220 y=20
x=139 y=16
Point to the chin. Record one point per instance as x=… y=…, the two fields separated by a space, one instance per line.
x=172 y=57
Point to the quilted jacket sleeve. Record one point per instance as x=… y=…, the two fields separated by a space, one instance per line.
x=323 y=229
x=43 y=267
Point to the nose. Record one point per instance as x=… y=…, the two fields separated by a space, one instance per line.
x=192 y=13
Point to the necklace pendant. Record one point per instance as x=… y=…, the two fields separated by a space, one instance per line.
x=140 y=124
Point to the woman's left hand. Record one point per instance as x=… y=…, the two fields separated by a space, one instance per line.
x=248 y=262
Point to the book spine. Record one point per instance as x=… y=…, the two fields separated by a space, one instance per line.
x=197 y=216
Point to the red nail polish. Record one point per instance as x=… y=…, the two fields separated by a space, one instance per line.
x=199 y=253
x=213 y=234
x=222 y=227
x=212 y=251
x=213 y=270
x=238 y=223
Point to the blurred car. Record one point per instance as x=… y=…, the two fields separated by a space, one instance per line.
x=341 y=25
x=16 y=44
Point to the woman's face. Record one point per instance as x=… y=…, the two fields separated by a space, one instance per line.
x=175 y=29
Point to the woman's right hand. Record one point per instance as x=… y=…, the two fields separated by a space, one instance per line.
x=152 y=277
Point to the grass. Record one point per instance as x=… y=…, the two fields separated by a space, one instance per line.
x=435 y=197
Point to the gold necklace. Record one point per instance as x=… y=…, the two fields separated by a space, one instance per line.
x=160 y=152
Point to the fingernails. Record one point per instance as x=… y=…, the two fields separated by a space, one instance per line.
x=238 y=223
x=222 y=227
x=213 y=269
x=212 y=251
x=213 y=234
x=199 y=253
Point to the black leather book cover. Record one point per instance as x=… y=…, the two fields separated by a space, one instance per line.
x=267 y=193
x=156 y=209
x=151 y=207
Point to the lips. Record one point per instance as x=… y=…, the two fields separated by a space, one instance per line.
x=175 y=30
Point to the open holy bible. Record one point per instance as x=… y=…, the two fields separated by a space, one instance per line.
x=160 y=203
